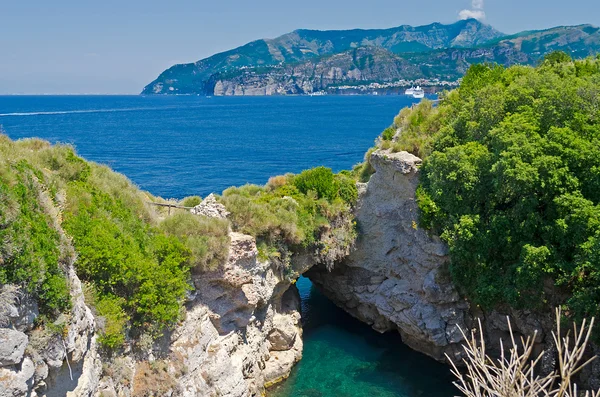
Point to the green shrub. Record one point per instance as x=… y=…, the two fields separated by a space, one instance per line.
x=113 y=321
x=291 y=214
x=206 y=238
x=125 y=257
x=347 y=190
x=191 y=201
x=30 y=252
x=319 y=180
x=388 y=134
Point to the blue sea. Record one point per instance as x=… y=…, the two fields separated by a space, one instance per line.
x=178 y=146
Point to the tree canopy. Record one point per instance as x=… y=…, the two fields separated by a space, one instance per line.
x=511 y=181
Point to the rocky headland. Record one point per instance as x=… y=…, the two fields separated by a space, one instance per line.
x=375 y=60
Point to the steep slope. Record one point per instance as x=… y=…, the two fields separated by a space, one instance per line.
x=307 y=61
x=526 y=48
x=301 y=45
x=359 y=65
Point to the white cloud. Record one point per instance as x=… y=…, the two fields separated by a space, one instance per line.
x=475 y=12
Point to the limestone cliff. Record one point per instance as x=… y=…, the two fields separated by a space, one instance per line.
x=241 y=332
x=395 y=278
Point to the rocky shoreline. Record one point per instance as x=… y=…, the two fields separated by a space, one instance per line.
x=242 y=331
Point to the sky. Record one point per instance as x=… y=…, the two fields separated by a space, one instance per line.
x=119 y=46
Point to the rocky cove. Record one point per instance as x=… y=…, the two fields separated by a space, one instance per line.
x=110 y=291
x=242 y=329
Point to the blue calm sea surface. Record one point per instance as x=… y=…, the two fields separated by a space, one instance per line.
x=180 y=146
x=175 y=146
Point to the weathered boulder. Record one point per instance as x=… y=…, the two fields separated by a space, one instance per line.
x=396 y=277
x=17 y=381
x=12 y=346
x=210 y=207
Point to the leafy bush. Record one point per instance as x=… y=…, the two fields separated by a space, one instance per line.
x=30 y=250
x=346 y=188
x=125 y=257
x=513 y=184
x=388 y=134
x=206 y=238
x=294 y=212
x=139 y=274
x=112 y=320
x=320 y=180
x=191 y=201
x=326 y=185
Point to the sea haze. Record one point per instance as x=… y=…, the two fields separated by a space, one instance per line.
x=175 y=146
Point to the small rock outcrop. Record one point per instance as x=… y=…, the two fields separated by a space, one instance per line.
x=12 y=346
x=396 y=277
x=210 y=207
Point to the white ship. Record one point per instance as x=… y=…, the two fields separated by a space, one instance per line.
x=418 y=93
x=410 y=91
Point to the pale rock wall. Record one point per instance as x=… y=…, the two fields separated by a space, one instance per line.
x=242 y=329
x=38 y=366
x=396 y=277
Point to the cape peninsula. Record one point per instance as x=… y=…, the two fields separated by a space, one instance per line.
x=435 y=56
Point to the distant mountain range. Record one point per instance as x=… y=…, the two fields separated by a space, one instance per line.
x=310 y=61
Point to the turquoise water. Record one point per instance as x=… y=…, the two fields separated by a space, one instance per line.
x=179 y=146
x=345 y=358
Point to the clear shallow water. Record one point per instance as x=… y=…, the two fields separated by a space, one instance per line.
x=175 y=146
x=179 y=146
x=345 y=358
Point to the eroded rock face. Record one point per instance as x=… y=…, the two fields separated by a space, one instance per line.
x=396 y=277
x=38 y=363
x=242 y=329
x=12 y=346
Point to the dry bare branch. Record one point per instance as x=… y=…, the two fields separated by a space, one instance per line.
x=514 y=373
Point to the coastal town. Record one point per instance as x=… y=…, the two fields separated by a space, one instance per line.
x=399 y=87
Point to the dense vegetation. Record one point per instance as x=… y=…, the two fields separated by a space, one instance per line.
x=294 y=212
x=511 y=181
x=57 y=211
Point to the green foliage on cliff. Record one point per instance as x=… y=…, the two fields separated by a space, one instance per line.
x=511 y=181
x=122 y=254
x=32 y=253
x=417 y=125
x=57 y=209
x=325 y=184
x=206 y=238
x=292 y=212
